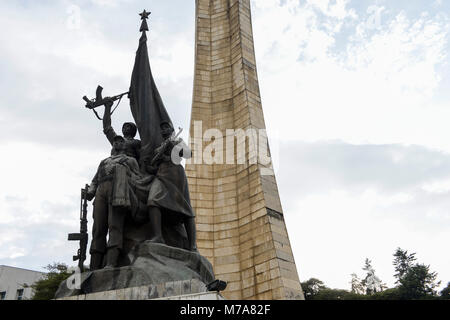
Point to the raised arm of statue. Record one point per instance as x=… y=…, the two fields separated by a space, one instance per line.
x=107 y=128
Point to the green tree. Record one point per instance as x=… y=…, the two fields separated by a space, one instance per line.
x=445 y=293
x=356 y=285
x=415 y=281
x=45 y=288
x=387 y=294
x=312 y=287
x=418 y=283
x=337 y=294
x=371 y=283
x=402 y=262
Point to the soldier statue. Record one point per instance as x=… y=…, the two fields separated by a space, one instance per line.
x=110 y=189
x=169 y=192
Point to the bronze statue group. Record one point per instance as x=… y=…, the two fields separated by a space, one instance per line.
x=137 y=198
x=141 y=193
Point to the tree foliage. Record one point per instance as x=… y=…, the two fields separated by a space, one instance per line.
x=418 y=282
x=415 y=281
x=356 y=285
x=371 y=283
x=312 y=287
x=445 y=293
x=402 y=262
x=46 y=288
x=315 y=289
x=337 y=294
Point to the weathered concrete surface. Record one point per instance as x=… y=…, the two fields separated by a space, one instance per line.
x=176 y=290
x=152 y=264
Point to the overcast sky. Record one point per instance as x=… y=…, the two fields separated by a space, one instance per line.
x=356 y=100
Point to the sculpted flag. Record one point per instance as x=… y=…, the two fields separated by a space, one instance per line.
x=146 y=104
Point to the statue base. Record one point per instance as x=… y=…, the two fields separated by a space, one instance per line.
x=177 y=290
x=153 y=266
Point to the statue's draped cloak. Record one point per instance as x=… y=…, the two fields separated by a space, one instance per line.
x=169 y=190
x=146 y=104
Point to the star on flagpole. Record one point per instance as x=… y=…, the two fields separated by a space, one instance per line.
x=144 y=16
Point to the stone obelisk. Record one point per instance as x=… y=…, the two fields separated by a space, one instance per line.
x=240 y=222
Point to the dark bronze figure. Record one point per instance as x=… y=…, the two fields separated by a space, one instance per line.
x=169 y=192
x=140 y=194
x=112 y=202
x=132 y=146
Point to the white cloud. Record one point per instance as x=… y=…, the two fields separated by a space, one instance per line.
x=343 y=203
x=335 y=9
x=39 y=177
x=334 y=231
x=441 y=186
x=378 y=89
x=39 y=200
x=15 y=252
x=110 y=3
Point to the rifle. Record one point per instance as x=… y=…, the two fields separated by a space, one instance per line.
x=83 y=235
x=100 y=101
x=163 y=146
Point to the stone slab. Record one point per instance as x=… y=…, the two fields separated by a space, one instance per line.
x=175 y=290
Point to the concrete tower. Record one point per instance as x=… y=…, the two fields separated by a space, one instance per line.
x=240 y=223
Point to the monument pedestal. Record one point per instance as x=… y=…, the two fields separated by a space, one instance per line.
x=176 y=290
x=196 y=296
x=156 y=271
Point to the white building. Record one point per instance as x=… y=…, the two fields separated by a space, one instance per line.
x=13 y=281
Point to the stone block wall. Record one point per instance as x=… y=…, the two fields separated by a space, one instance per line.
x=240 y=222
